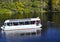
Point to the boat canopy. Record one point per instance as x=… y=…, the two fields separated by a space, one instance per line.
x=21 y=20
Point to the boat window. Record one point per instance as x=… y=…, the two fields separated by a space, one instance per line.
x=15 y=23
x=9 y=24
x=32 y=22
x=27 y=22
x=21 y=23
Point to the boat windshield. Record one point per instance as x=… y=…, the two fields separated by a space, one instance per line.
x=9 y=24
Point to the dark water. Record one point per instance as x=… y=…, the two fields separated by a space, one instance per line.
x=48 y=34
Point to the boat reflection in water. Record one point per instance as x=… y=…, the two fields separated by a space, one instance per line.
x=16 y=36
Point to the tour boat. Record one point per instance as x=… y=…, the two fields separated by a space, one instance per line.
x=24 y=25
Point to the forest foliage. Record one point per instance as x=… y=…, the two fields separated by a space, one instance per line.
x=13 y=9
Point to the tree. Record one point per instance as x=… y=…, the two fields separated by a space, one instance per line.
x=56 y=5
x=4 y=14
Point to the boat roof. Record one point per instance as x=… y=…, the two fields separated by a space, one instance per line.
x=22 y=20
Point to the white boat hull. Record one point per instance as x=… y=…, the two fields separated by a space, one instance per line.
x=22 y=29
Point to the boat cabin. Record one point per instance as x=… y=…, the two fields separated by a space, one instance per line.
x=15 y=22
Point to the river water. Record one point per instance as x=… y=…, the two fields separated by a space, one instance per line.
x=49 y=33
